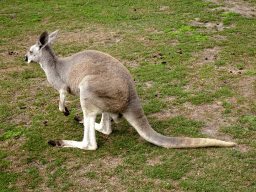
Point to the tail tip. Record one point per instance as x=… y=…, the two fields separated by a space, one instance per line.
x=229 y=144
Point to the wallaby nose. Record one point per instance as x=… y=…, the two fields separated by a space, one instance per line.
x=26 y=58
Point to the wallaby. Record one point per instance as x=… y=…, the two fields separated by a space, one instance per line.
x=105 y=86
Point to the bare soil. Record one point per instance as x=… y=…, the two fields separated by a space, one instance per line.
x=99 y=165
x=208 y=56
x=237 y=6
x=210 y=26
x=94 y=36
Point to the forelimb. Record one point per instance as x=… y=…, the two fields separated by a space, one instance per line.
x=62 y=107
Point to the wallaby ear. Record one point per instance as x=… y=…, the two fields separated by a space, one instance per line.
x=43 y=40
x=53 y=36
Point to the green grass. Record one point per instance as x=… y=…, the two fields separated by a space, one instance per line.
x=183 y=90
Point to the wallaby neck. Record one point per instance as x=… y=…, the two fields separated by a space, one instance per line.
x=49 y=65
x=48 y=57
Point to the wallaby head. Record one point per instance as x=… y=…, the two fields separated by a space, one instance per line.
x=34 y=54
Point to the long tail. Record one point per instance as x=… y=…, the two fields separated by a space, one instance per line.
x=139 y=121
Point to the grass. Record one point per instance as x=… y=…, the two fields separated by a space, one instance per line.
x=194 y=79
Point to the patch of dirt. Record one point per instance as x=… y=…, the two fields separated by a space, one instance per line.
x=21 y=119
x=111 y=41
x=196 y=83
x=242 y=7
x=174 y=42
x=153 y=30
x=162 y=8
x=154 y=161
x=208 y=56
x=46 y=20
x=99 y=166
x=143 y=39
x=158 y=55
x=130 y=63
x=210 y=26
x=211 y=114
x=95 y=36
x=243 y=148
x=234 y=70
x=12 y=69
x=219 y=38
x=246 y=87
x=169 y=99
x=149 y=84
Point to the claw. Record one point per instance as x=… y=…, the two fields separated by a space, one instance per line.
x=66 y=113
x=55 y=142
x=78 y=118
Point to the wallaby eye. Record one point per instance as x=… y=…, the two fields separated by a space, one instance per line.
x=30 y=52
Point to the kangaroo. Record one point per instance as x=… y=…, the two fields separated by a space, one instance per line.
x=105 y=86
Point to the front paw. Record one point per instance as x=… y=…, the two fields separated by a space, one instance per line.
x=66 y=112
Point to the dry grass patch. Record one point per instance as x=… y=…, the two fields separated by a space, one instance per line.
x=208 y=56
x=211 y=26
x=12 y=69
x=246 y=87
x=237 y=6
x=97 y=174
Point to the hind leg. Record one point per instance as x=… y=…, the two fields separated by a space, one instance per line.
x=104 y=126
x=89 y=139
